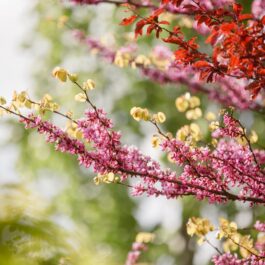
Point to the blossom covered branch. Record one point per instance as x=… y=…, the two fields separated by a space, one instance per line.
x=206 y=173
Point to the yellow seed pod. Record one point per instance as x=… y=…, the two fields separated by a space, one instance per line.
x=246 y=243
x=54 y=106
x=60 y=73
x=28 y=104
x=140 y=114
x=89 y=85
x=195 y=128
x=62 y=21
x=2 y=101
x=144 y=237
x=182 y=104
x=80 y=97
x=194 y=114
x=214 y=125
x=73 y=77
x=161 y=117
x=194 y=102
x=136 y=113
x=214 y=142
x=155 y=141
x=111 y=177
x=199 y=227
x=122 y=59
x=169 y=135
x=195 y=132
x=242 y=140
x=226 y=229
x=47 y=97
x=210 y=116
x=97 y=180
x=142 y=60
x=170 y=159
x=229 y=245
x=78 y=135
x=145 y=114
x=21 y=97
x=183 y=133
x=253 y=137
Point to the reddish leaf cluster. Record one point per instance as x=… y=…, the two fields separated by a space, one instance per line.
x=238 y=42
x=152 y=22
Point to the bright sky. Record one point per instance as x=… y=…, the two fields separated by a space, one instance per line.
x=15 y=62
x=14 y=70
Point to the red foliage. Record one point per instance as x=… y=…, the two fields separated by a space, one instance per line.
x=237 y=41
x=128 y=21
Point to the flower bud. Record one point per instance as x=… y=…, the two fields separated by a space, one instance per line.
x=60 y=74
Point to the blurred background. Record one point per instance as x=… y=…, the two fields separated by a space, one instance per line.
x=51 y=212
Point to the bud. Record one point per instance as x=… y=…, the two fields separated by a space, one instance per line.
x=60 y=74
x=161 y=117
x=80 y=97
x=73 y=77
x=89 y=85
x=2 y=101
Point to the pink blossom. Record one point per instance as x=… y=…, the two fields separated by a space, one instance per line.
x=211 y=174
x=260 y=226
x=258 y=8
x=230 y=259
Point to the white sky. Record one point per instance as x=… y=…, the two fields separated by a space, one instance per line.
x=14 y=71
x=14 y=61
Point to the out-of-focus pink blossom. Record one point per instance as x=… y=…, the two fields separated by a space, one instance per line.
x=260 y=226
x=258 y=8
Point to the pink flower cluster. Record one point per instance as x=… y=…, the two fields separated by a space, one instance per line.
x=229 y=172
x=231 y=128
x=134 y=254
x=260 y=226
x=230 y=259
x=258 y=8
x=206 y=4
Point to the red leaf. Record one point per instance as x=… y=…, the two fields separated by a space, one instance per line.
x=201 y=64
x=234 y=61
x=190 y=7
x=261 y=71
x=139 y=27
x=254 y=88
x=164 y=22
x=227 y=27
x=245 y=17
x=158 y=12
x=202 y=19
x=150 y=29
x=128 y=21
x=212 y=39
x=237 y=8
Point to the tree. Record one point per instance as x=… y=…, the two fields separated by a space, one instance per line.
x=225 y=166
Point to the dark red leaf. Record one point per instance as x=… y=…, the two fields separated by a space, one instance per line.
x=237 y=8
x=164 y=22
x=158 y=12
x=245 y=17
x=128 y=21
x=201 y=64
